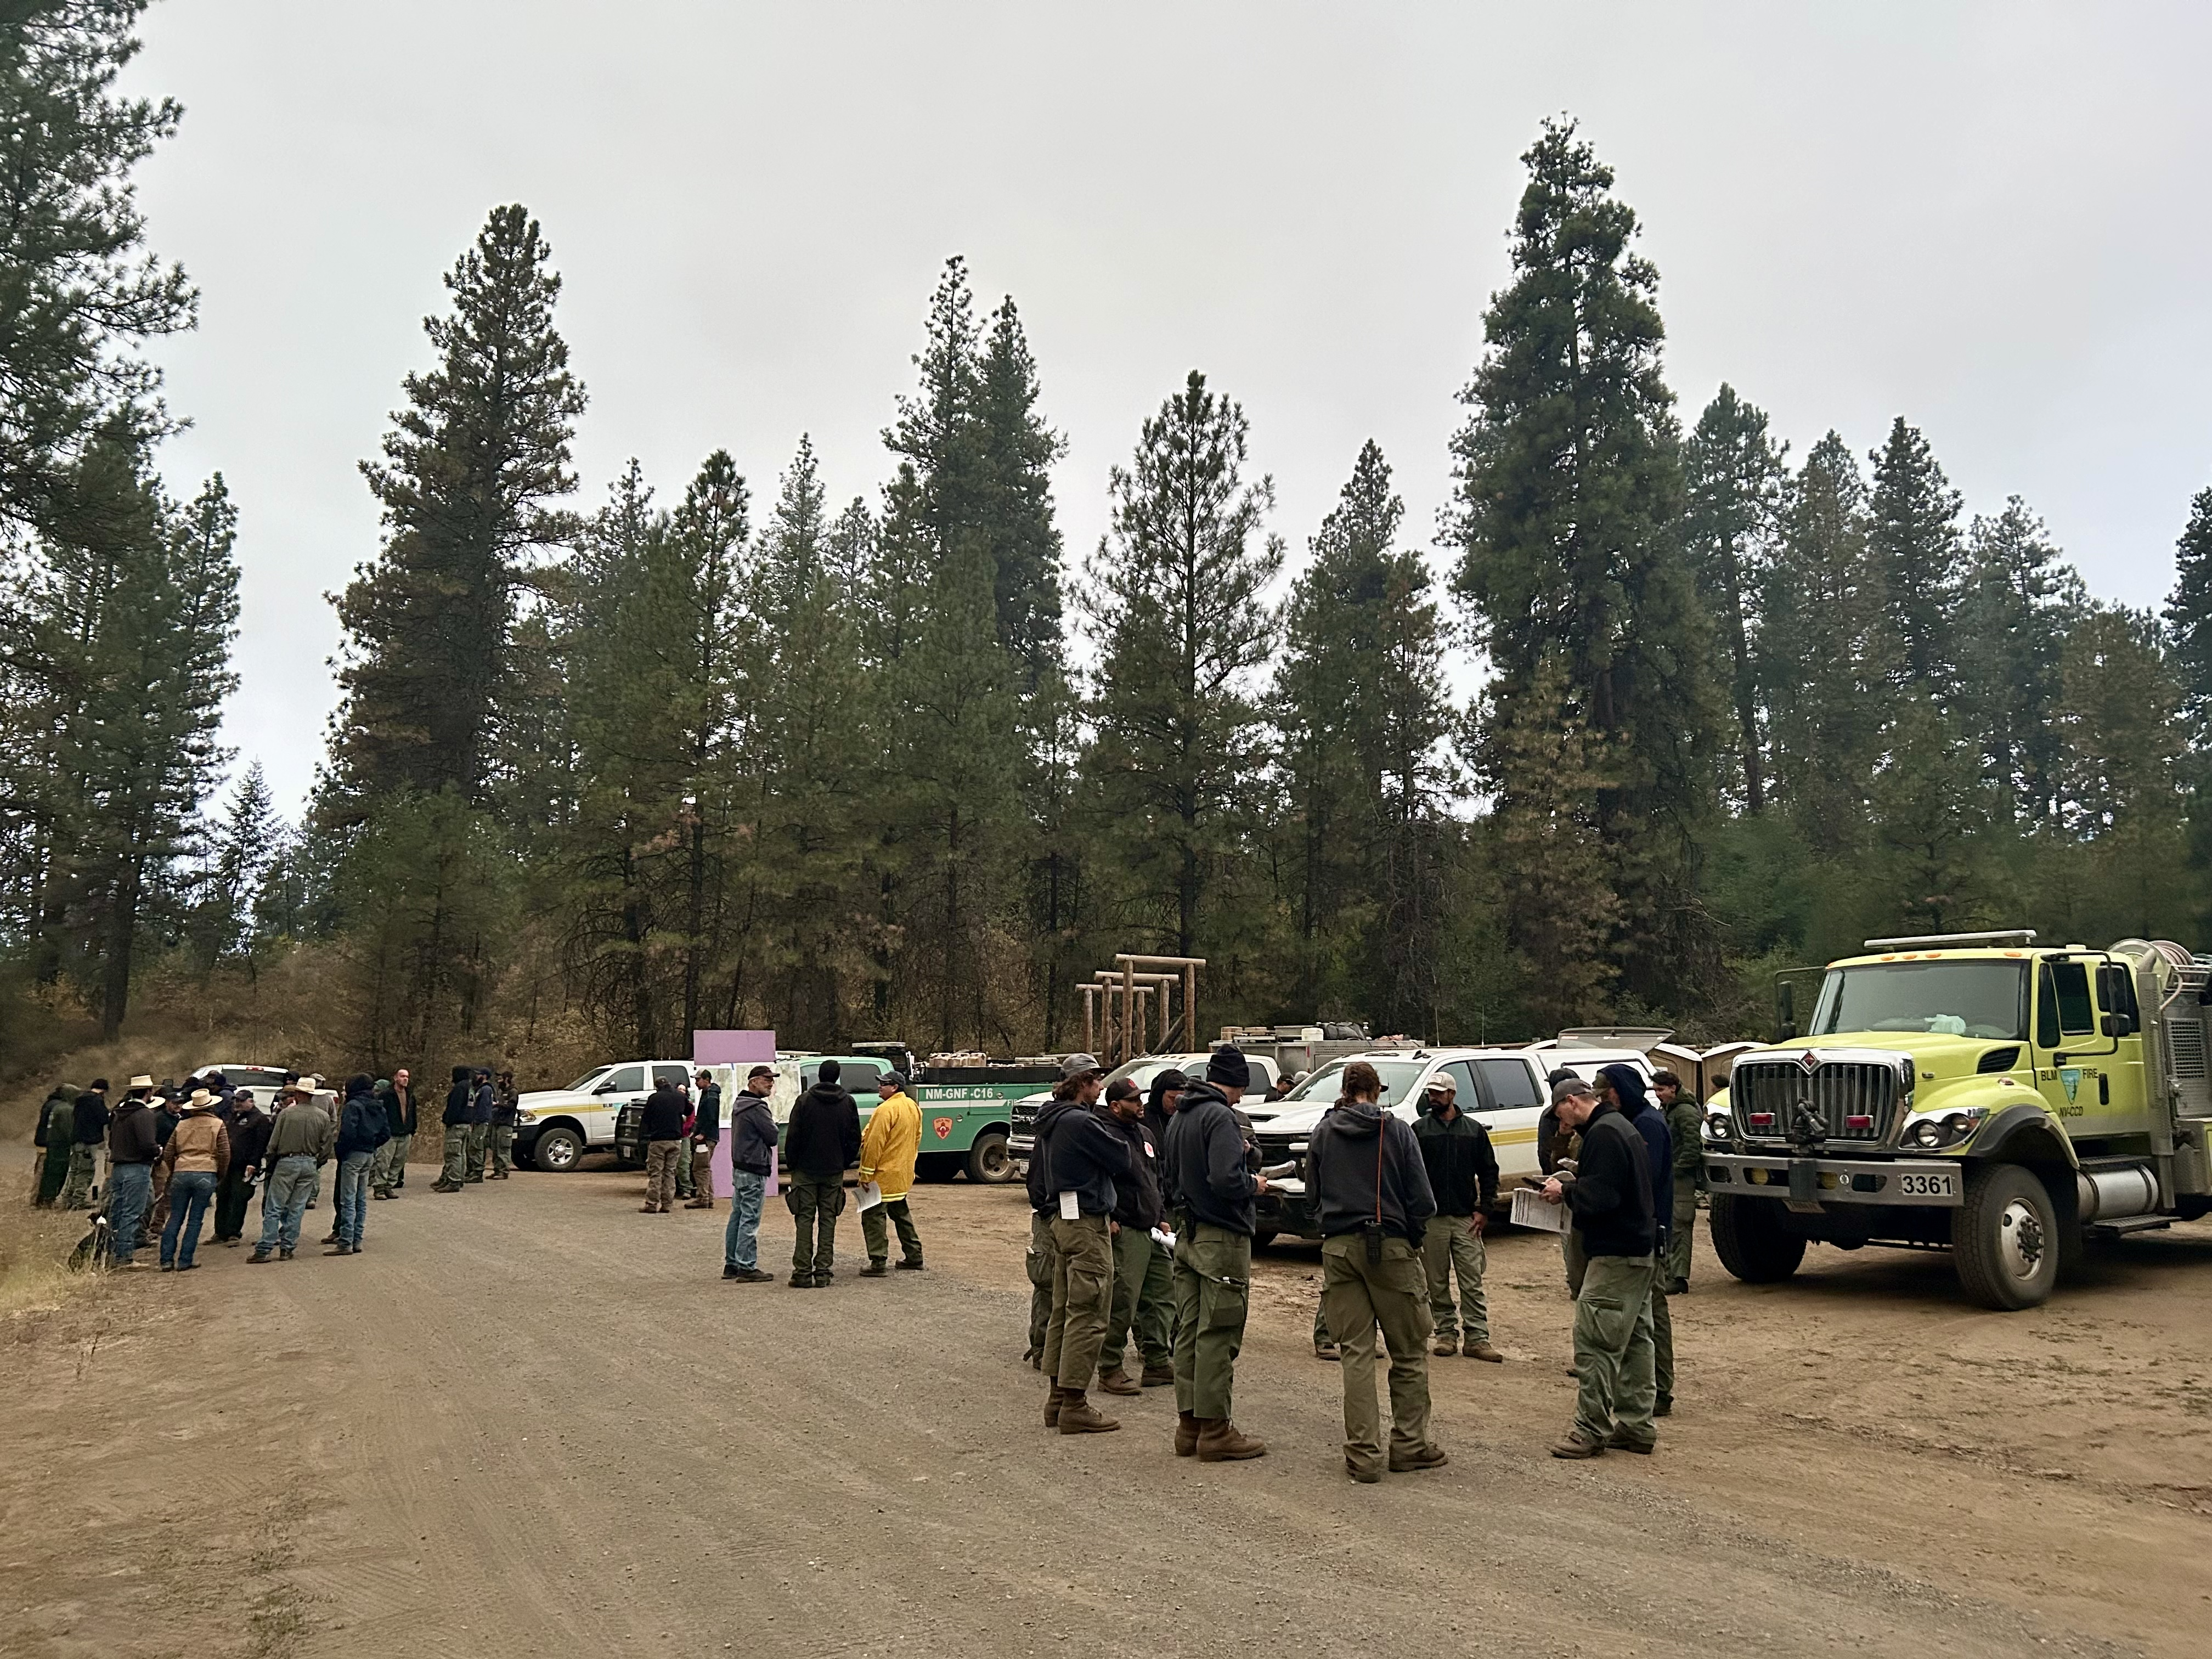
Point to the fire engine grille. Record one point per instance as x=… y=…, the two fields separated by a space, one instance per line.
x=1851 y=1100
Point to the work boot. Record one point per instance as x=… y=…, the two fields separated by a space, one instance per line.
x=1621 y=1440
x=695 y=1204
x=1156 y=1375
x=1078 y=1416
x=1118 y=1381
x=1327 y=1351
x=1483 y=1351
x=905 y=1265
x=1446 y=1348
x=1186 y=1438
x=649 y=1209
x=1365 y=1473
x=283 y=1255
x=330 y=1237
x=1577 y=1445
x=1431 y=1457
x=802 y=1281
x=381 y=1192
x=475 y=1180
x=1218 y=1442
x=337 y=1248
x=1664 y=1407
x=258 y=1257
x=876 y=1270
x=442 y=1185
x=753 y=1276
x=1054 y=1398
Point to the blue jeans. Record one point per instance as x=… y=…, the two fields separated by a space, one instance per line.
x=290 y=1181
x=189 y=1193
x=130 y=1190
x=353 y=1195
x=740 y=1239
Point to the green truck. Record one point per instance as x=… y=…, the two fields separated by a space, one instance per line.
x=966 y=1111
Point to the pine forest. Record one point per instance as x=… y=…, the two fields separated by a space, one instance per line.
x=1657 y=709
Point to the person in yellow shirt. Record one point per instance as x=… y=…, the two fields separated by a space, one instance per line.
x=889 y=1147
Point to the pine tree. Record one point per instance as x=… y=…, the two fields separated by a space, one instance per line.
x=1568 y=492
x=477 y=455
x=1362 y=709
x=1736 y=478
x=1823 y=654
x=1176 y=607
x=242 y=848
x=78 y=294
x=1017 y=450
x=2021 y=598
x=1930 y=812
x=2189 y=617
x=1912 y=538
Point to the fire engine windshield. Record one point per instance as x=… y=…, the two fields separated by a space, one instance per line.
x=1975 y=999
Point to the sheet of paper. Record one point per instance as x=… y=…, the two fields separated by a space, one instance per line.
x=1164 y=1238
x=1071 y=1207
x=870 y=1193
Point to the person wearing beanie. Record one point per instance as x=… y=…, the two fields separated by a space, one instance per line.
x=1609 y=1193
x=1209 y=1177
x=819 y=1143
x=197 y=1153
x=1685 y=1128
x=889 y=1146
x=1623 y=1087
x=458 y=1099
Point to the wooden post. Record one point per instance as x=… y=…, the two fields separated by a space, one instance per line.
x=1090 y=1011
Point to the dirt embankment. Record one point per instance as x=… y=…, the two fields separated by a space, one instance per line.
x=529 y=1420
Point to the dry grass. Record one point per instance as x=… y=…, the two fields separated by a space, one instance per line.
x=34 y=1247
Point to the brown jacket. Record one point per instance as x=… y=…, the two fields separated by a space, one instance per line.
x=199 y=1142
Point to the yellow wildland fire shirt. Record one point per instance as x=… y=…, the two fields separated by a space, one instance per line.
x=890 y=1145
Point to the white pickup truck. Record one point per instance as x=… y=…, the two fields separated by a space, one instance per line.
x=555 y=1128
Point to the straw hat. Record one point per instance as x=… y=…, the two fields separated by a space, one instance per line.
x=199 y=1102
x=141 y=1081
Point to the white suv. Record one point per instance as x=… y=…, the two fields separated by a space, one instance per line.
x=1502 y=1088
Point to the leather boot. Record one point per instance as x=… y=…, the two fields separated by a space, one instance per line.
x=1157 y=1377
x=1118 y=1381
x=1052 y=1405
x=1078 y=1416
x=1186 y=1435
x=1218 y=1442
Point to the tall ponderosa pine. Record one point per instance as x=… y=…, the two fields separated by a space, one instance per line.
x=241 y=849
x=479 y=453
x=77 y=292
x=1736 y=478
x=1824 y=650
x=1912 y=538
x=1569 y=491
x=2021 y=600
x=1176 y=601
x=1362 y=708
x=2189 y=617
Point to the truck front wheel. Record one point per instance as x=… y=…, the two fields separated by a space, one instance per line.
x=2005 y=1242
x=557 y=1150
x=1750 y=1240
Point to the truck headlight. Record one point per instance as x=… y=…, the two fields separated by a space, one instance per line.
x=521 y=1118
x=1939 y=1130
x=1717 y=1127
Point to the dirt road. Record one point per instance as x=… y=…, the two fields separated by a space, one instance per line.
x=529 y=1420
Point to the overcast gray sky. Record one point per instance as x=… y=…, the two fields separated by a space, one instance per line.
x=1989 y=218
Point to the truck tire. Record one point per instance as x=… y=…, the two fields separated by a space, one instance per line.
x=988 y=1163
x=557 y=1150
x=1750 y=1240
x=2005 y=1242
x=1263 y=1237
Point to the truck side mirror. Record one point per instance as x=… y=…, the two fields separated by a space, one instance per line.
x=1786 y=1011
x=2118 y=1025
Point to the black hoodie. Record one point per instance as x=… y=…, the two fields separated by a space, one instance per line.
x=1354 y=1177
x=457 y=1099
x=1137 y=1200
x=823 y=1135
x=752 y=1132
x=1078 y=1151
x=1208 y=1163
x=1611 y=1195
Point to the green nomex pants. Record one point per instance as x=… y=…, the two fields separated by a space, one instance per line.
x=391 y=1163
x=53 y=1171
x=1082 y=1290
x=1038 y=1262
x=876 y=1223
x=457 y=1153
x=1212 y=1295
x=1451 y=1246
x=502 y=1138
x=815 y=1203
x=1571 y=1253
x=1141 y=1268
x=1678 y=1241
x=479 y=1145
x=1614 y=1388
x=76 y=1192
x=1391 y=1294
